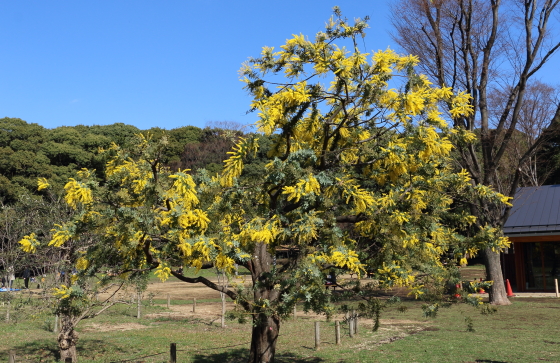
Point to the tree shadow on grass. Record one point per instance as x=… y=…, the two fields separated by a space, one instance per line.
x=43 y=350
x=242 y=355
x=46 y=350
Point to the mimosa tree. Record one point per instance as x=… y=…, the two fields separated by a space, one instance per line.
x=352 y=160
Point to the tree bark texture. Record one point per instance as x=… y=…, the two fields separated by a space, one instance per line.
x=265 y=327
x=264 y=338
x=497 y=293
x=67 y=339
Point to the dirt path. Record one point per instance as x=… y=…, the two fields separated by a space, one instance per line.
x=181 y=291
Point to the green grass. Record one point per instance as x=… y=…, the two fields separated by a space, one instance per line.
x=523 y=332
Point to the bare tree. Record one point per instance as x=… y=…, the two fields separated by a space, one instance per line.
x=536 y=112
x=494 y=50
x=28 y=215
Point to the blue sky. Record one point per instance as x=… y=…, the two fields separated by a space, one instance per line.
x=148 y=63
x=166 y=63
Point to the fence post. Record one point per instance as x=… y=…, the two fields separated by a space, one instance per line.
x=8 y=309
x=337 y=331
x=317 y=336
x=12 y=357
x=194 y=305
x=55 y=327
x=139 y=306
x=556 y=286
x=168 y=301
x=295 y=309
x=223 y=317
x=173 y=353
x=354 y=318
x=351 y=327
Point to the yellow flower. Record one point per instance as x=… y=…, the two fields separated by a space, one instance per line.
x=77 y=193
x=82 y=263
x=62 y=293
x=61 y=235
x=163 y=271
x=42 y=184
x=29 y=243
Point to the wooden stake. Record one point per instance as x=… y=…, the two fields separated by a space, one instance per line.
x=223 y=318
x=12 y=357
x=194 y=305
x=55 y=327
x=295 y=310
x=173 y=353
x=556 y=286
x=317 y=336
x=139 y=305
x=168 y=301
x=8 y=309
x=354 y=321
x=337 y=332
x=351 y=327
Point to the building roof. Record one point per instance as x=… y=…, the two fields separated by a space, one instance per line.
x=535 y=211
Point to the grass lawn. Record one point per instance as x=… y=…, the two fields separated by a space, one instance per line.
x=526 y=331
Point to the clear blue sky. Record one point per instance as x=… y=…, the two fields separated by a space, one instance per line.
x=148 y=63
x=166 y=63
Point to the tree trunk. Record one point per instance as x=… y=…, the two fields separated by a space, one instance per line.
x=67 y=339
x=264 y=338
x=265 y=327
x=497 y=294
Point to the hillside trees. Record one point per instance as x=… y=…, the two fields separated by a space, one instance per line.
x=178 y=139
x=209 y=151
x=493 y=50
x=20 y=164
x=29 y=151
x=350 y=162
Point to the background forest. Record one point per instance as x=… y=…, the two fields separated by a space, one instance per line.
x=29 y=151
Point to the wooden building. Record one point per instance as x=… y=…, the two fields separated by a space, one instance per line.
x=533 y=226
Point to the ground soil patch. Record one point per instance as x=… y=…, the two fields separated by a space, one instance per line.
x=112 y=327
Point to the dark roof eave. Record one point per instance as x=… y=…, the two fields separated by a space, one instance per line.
x=529 y=234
